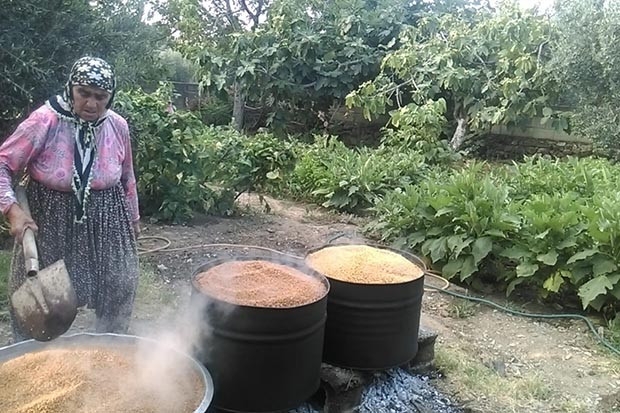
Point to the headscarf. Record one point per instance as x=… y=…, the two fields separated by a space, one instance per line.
x=87 y=71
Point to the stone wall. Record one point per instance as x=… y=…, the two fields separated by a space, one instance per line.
x=532 y=138
x=511 y=147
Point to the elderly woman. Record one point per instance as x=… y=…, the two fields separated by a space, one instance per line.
x=81 y=189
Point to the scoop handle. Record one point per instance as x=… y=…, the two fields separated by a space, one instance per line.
x=29 y=244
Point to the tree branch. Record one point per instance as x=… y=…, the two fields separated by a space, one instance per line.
x=253 y=16
x=540 y=48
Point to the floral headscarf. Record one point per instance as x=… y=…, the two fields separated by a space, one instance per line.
x=87 y=71
x=91 y=71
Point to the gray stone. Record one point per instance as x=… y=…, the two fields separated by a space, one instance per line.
x=422 y=363
x=343 y=388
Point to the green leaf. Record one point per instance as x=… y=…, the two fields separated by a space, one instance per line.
x=339 y=199
x=438 y=249
x=481 y=248
x=515 y=253
x=547 y=112
x=598 y=302
x=613 y=279
x=616 y=291
x=582 y=255
x=353 y=189
x=579 y=273
x=455 y=241
x=566 y=243
x=452 y=268
x=462 y=246
x=602 y=265
x=554 y=282
x=593 y=288
x=469 y=267
x=495 y=233
x=433 y=232
x=550 y=258
x=526 y=269
x=513 y=284
x=416 y=238
x=443 y=211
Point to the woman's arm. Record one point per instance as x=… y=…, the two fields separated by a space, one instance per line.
x=128 y=179
x=16 y=153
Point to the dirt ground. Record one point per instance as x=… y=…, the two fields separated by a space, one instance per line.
x=489 y=361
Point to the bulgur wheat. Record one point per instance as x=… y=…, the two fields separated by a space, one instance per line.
x=363 y=264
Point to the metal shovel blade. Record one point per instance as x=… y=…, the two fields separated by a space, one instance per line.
x=46 y=304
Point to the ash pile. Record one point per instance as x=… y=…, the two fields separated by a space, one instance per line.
x=400 y=390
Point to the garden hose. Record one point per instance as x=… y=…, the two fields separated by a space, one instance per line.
x=143 y=251
x=429 y=288
x=490 y=303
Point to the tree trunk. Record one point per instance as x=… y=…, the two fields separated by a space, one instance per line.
x=238 y=108
x=459 y=134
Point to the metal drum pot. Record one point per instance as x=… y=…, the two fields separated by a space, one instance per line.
x=373 y=326
x=262 y=359
x=112 y=341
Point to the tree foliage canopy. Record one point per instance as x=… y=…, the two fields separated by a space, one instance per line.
x=296 y=56
x=292 y=62
x=490 y=69
x=40 y=40
x=585 y=61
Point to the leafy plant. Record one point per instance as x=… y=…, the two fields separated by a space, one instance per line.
x=458 y=219
x=174 y=159
x=353 y=180
x=260 y=161
x=599 y=274
x=548 y=225
x=419 y=129
x=550 y=234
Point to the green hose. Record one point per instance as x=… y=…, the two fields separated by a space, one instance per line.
x=600 y=339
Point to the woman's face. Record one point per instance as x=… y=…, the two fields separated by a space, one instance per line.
x=89 y=102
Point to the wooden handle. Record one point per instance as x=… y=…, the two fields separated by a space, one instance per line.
x=22 y=199
x=29 y=243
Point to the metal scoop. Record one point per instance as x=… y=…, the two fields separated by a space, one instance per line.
x=45 y=305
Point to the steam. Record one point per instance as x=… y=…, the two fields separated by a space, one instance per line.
x=162 y=367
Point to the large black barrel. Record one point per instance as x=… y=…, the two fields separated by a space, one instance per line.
x=262 y=359
x=373 y=326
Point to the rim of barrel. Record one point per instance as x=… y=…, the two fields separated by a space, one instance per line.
x=108 y=338
x=306 y=269
x=406 y=254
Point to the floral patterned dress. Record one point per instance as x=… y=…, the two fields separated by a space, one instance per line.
x=100 y=251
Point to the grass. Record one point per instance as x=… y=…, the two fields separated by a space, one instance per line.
x=477 y=382
x=152 y=289
x=571 y=406
x=5 y=267
x=462 y=309
x=612 y=333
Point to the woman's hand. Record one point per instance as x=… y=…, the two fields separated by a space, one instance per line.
x=19 y=221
